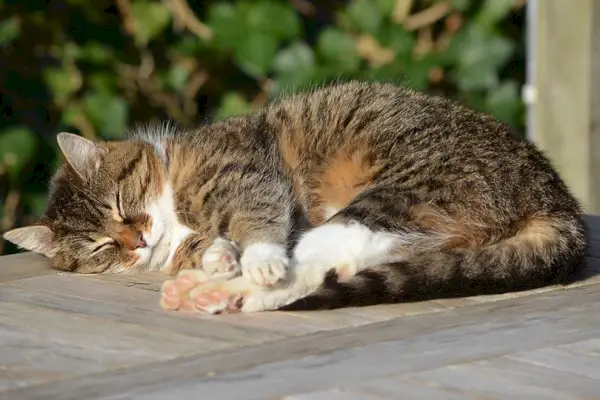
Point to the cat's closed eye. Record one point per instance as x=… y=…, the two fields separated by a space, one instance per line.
x=103 y=244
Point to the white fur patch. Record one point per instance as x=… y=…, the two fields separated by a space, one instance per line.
x=264 y=263
x=340 y=245
x=165 y=235
x=221 y=259
x=352 y=248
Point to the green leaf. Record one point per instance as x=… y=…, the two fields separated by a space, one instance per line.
x=227 y=23
x=417 y=73
x=62 y=83
x=505 y=103
x=386 y=6
x=176 y=77
x=95 y=53
x=150 y=18
x=493 y=11
x=107 y=113
x=461 y=5
x=479 y=56
x=9 y=30
x=35 y=202
x=392 y=73
x=17 y=148
x=294 y=60
x=189 y=46
x=338 y=50
x=255 y=52
x=69 y=115
x=400 y=40
x=294 y=67
x=274 y=17
x=365 y=16
x=233 y=104
x=102 y=81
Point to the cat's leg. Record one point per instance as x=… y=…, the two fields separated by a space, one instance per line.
x=255 y=210
x=361 y=236
x=219 y=260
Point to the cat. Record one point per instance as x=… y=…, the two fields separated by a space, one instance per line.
x=347 y=195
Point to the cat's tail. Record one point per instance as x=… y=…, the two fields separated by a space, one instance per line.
x=545 y=250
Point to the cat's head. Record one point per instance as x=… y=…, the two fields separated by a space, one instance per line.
x=108 y=208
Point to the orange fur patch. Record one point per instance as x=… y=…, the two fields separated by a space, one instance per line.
x=457 y=230
x=289 y=149
x=535 y=233
x=345 y=175
x=128 y=238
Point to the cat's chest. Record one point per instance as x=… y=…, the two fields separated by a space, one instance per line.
x=179 y=234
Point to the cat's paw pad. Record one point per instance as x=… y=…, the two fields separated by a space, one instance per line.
x=175 y=292
x=215 y=298
x=221 y=260
x=265 y=264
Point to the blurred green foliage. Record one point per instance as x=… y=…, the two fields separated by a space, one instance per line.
x=95 y=67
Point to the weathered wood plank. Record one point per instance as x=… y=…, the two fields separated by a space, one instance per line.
x=324 y=359
x=395 y=388
x=23 y=265
x=591 y=347
x=503 y=378
x=181 y=323
x=313 y=321
x=333 y=394
x=123 y=309
x=151 y=281
x=561 y=359
x=38 y=345
x=80 y=286
x=565 y=108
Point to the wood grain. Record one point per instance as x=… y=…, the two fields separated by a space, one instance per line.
x=327 y=359
x=65 y=336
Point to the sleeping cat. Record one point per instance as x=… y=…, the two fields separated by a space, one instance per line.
x=352 y=194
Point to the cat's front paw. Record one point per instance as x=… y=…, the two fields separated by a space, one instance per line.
x=194 y=291
x=221 y=259
x=265 y=264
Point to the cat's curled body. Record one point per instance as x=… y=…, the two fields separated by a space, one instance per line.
x=352 y=194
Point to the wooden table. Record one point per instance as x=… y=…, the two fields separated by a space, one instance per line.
x=98 y=337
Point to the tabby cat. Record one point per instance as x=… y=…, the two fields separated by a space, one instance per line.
x=347 y=195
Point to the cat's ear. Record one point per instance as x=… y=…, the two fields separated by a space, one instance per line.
x=82 y=154
x=37 y=238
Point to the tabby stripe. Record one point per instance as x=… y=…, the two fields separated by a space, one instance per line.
x=129 y=167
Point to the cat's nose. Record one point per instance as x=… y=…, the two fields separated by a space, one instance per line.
x=140 y=242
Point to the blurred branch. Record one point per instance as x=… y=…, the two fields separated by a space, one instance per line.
x=263 y=96
x=424 y=42
x=369 y=48
x=10 y=212
x=427 y=17
x=185 y=16
x=195 y=82
x=304 y=7
x=81 y=122
x=401 y=10
x=150 y=87
x=126 y=12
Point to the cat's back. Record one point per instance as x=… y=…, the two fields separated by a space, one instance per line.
x=380 y=112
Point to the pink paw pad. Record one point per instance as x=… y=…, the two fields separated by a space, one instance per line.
x=175 y=292
x=216 y=300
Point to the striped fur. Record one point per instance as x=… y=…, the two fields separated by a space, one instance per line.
x=467 y=207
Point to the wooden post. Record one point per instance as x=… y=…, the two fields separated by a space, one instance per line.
x=566 y=92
